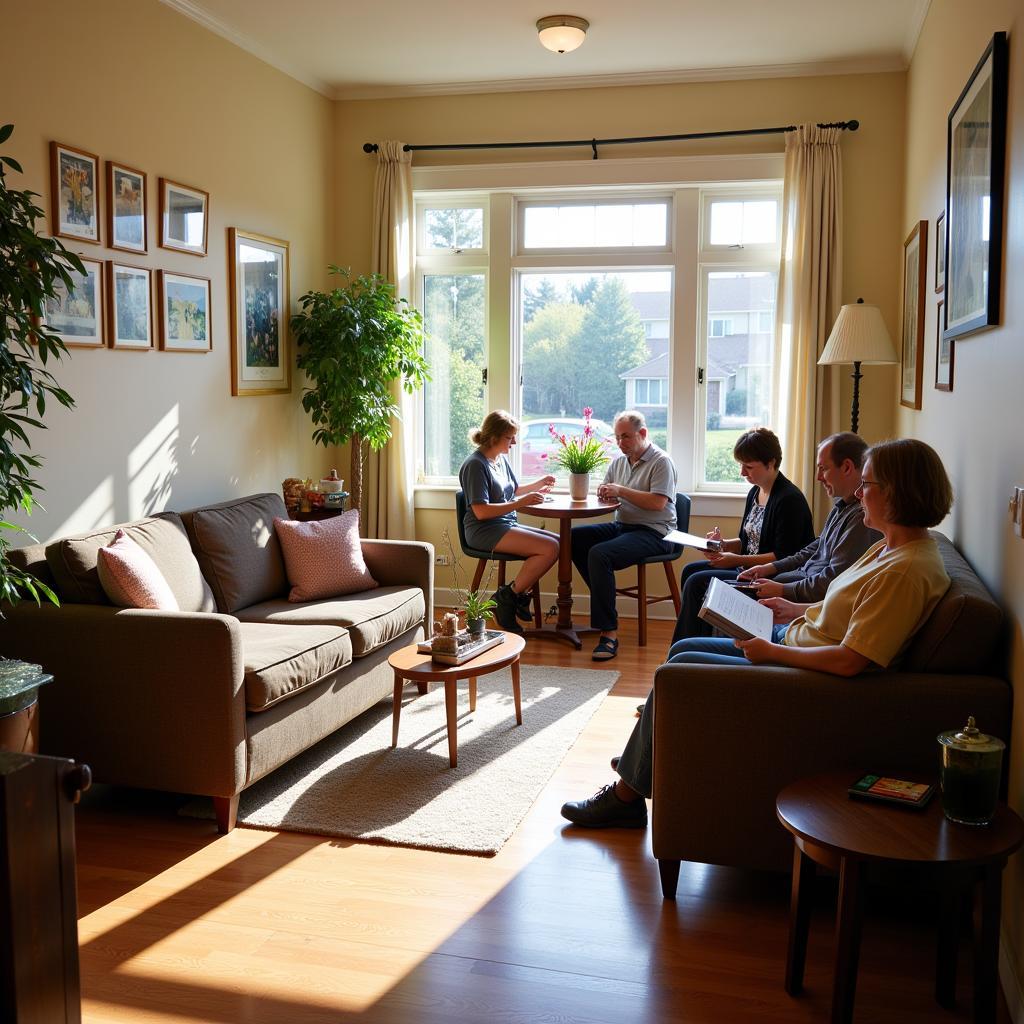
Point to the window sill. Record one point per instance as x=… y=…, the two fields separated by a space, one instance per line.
x=439 y=496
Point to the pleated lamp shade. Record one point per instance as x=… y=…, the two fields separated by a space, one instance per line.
x=859 y=336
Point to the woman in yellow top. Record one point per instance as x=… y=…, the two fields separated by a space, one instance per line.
x=867 y=618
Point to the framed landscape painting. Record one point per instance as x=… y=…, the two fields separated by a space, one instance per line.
x=126 y=208
x=915 y=284
x=944 y=349
x=184 y=217
x=76 y=313
x=74 y=193
x=184 y=312
x=129 y=306
x=260 y=305
x=975 y=165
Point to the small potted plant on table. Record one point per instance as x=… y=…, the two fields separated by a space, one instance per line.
x=580 y=456
x=477 y=605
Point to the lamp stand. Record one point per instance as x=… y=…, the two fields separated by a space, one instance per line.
x=855 y=411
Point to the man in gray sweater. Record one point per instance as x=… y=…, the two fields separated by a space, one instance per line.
x=805 y=576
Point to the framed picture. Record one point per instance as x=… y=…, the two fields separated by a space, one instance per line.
x=944 y=349
x=129 y=306
x=940 y=252
x=975 y=162
x=126 y=208
x=260 y=304
x=184 y=217
x=184 y=312
x=915 y=284
x=74 y=193
x=76 y=313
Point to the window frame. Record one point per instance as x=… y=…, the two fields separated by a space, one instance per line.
x=691 y=182
x=449 y=203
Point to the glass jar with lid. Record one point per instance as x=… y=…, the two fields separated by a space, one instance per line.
x=971 y=768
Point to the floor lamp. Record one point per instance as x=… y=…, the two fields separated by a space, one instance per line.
x=859 y=336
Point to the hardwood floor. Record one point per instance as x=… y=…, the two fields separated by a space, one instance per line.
x=178 y=924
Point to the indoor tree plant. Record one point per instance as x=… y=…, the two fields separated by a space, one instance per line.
x=31 y=266
x=353 y=343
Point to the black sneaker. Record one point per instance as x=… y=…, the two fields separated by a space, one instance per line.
x=523 y=609
x=505 y=610
x=605 y=810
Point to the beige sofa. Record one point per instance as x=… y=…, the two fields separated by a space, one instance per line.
x=727 y=740
x=210 y=698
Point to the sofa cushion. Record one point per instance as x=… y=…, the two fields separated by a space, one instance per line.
x=280 y=661
x=238 y=550
x=961 y=634
x=130 y=578
x=323 y=559
x=72 y=561
x=373 y=618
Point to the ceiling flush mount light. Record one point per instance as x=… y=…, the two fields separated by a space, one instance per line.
x=561 y=33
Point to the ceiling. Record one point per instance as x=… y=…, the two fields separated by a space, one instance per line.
x=358 y=50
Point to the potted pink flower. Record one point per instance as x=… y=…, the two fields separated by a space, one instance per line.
x=580 y=455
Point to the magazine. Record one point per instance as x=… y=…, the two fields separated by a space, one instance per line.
x=730 y=610
x=892 y=791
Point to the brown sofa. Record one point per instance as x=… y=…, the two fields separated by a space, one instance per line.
x=210 y=698
x=727 y=740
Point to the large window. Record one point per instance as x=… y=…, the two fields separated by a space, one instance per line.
x=545 y=304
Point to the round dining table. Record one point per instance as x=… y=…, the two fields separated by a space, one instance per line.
x=565 y=510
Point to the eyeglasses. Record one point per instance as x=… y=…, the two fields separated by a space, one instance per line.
x=868 y=483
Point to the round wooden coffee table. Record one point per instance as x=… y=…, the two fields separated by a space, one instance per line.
x=409 y=664
x=831 y=829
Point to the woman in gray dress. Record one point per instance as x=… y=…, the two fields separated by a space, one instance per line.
x=493 y=494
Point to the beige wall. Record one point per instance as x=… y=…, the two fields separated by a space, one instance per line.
x=872 y=164
x=973 y=427
x=133 y=81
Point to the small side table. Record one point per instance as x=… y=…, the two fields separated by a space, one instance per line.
x=19 y=707
x=832 y=830
x=410 y=664
x=321 y=512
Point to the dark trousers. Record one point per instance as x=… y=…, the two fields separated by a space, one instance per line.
x=693 y=583
x=601 y=548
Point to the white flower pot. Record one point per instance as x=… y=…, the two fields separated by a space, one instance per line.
x=579 y=486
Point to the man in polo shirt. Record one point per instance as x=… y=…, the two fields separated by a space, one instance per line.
x=805 y=576
x=643 y=481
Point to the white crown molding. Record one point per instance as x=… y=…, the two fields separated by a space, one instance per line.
x=819 y=68
x=211 y=24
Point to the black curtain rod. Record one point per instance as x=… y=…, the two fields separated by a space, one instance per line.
x=852 y=126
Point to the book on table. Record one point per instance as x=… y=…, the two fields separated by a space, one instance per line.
x=692 y=540
x=892 y=791
x=467 y=647
x=735 y=614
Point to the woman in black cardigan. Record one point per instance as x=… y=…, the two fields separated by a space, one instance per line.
x=776 y=522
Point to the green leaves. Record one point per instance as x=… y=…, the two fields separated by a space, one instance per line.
x=32 y=268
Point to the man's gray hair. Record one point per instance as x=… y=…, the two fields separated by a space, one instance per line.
x=634 y=417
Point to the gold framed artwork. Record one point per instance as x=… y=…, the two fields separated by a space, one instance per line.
x=184 y=217
x=915 y=283
x=260 y=306
x=940 y=252
x=126 y=208
x=184 y=304
x=74 y=193
x=76 y=313
x=129 y=306
x=945 y=349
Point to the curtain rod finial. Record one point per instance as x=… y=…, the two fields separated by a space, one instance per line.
x=369 y=147
x=852 y=126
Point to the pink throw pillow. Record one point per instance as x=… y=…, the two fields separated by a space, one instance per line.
x=323 y=558
x=130 y=578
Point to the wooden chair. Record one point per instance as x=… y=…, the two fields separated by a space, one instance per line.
x=497 y=556
x=639 y=592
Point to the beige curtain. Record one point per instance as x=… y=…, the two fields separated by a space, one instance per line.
x=387 y=477
x=809 y=298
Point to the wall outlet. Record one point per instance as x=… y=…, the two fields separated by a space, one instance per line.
x=442 y=560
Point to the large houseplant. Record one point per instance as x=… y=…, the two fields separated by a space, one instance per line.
x=31 y=266
x=353 y=343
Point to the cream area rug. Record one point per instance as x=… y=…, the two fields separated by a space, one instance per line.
x=353 y=784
